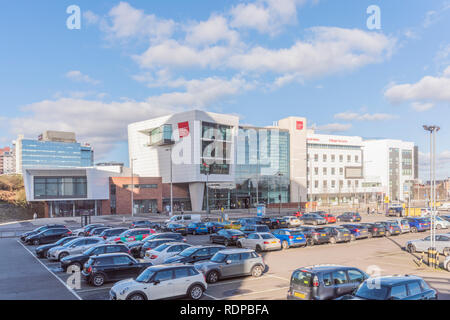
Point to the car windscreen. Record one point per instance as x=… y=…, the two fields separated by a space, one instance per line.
x=218 y=257
x=74 y=241
x=161 y=247
x=234 y=232
x=267 y=236
x=145 y=276
x=295 y=233
x=187 y=252
x=302 y=278
x=262 y=229
x=372 y=292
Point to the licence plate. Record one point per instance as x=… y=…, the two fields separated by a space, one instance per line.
x=299 y=238
x=273 y=242
x=299 y=295
x=323 y=234
x=345 y=234
x=382 y=232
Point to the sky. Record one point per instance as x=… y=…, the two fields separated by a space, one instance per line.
x=262 y=60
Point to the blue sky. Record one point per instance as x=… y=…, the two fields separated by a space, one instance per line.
x=262 y=60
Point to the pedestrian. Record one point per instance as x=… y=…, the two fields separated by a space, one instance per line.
x=368 y=210
x=35 y=216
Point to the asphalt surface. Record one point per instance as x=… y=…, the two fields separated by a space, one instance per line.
x=22 y=275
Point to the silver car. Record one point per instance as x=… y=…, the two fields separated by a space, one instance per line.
x=403 y=224
x=422 y=245
x=260 y=241
x=447 y=263
x=75 y=246
x=232 y=263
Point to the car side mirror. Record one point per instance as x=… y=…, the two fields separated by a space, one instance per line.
x=228 y=261
x=156 y=282
x=130 y=263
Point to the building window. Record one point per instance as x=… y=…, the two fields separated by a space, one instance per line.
x=349 y=158
x=141 y=186
x=356 y=159
x=341 y=171
x=324 y=158
x=324 y=184
x=356 y=183
x=316 y=171
x=316 y=184
x=333 y=171
x=341 y=183
x=333 y=158
x=341 y=158
x=60 y=187
x=324 y=171
x=316 y=157
x=333 y=184
x=349 y=183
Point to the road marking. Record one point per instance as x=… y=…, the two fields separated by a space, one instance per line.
x=210 y=296
x=277 y=277
x=95 y=289
x=67 y=287
x=223 y=283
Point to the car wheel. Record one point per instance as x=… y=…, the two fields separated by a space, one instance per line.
x=239 y=244
x=315 y=223
x=136 y=296
x=388 y=233
x=36 y=242
x=332 y=240
x=339 y=219
x=62 y=255
x=414 y=229
x=352 y=238
x=194 y=233
x=258 y=248
x=257 y=271
x=195 y=292
x=285 y=244
x=211 y=240
x=446 y=252
x=438 y=226
x=411 y=248
x=212 y=277
x=370 y=235
x=81 y=234
x=226 y=243
x=98 y=280
x=309 y=242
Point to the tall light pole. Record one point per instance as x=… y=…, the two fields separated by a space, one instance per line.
x=132 y=187
x=432 y=129
x=279 y=174
x=171 y=182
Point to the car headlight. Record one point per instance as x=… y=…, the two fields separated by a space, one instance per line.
x=124 y=290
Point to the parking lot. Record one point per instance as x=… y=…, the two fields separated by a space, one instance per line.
x=23 y=276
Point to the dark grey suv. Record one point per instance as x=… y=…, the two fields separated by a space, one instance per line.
x=324 y=282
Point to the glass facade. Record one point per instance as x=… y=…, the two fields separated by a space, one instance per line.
x=216 y=146
x=60 y=187
x=49 y=154
x=161 y=135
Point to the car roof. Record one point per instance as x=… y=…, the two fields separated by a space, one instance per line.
x=169 y=266
x=231 y=251
x=395 y=279
x=324 y=267
x=105 y=255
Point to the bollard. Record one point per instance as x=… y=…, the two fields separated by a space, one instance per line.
x=432 y=257
x=438 y=263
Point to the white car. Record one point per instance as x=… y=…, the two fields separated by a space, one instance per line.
x=161 y=282
x=292 y=221
x=422 y=245
x=165 y=251
x=447 y=263
x=403 y=224
x=442 y=223
x=75 y=246
x=260 y=241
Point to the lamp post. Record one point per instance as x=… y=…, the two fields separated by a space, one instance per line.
x=207 y=169
x=171 y=182
x=432 y=129
x=279 y=174
x=132 y=187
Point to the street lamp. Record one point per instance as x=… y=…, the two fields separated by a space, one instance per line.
x=207 y=169
x=279 y=174
x=171 y=182
x=432 y=129
x=132 y=187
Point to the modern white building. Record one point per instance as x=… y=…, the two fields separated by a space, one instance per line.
x=395 y=162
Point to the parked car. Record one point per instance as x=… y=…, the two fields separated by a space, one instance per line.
x=246 y=221
x=403 y=224
x=324 y=282
x=79 y=260
x=232 y=263
x=393 y=288
x=41 y=251
x=252 y=228
x=441 y=223
x=232 y=225
x=88 y=229
x=422 y=245
x=161 y=282
x=376 y=229
x=175 y=227
x=313 y=236
x=392 y=228
x=167 y=235
x=330 y=218
x=214 y=226
x=418 y=224
x=264 y=221
x=112 y=267
x=131 y=235
x=358 y=231
x=184 y=219
x=336 y=234
x=447 y=263
x=97 y=231
x=349 y=217
x=145 y=224
x=226 y=237
x=292 y=221
x=164 y=251
x=81 y=232
x=260 y=241
x=48 y=236
x=75 y=246
x=313 y=218
x=195 y=254
x=279 y=223
x=153 y=243
x=396 y=211
x=111 y=234
x=446 y=217
x=39 y=230
x=197 y=228
x=290 y=238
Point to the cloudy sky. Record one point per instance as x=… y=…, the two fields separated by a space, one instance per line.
x=260 y=59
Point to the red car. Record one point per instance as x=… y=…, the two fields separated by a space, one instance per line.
x=328 y=216
x=299 y=214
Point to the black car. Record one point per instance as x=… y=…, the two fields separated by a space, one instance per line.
x=80 y=259
x=214 y=226
x=41 y=251
x=48 y=236
x=175 y=227
x=82 y=231
x=113 y=232
x=376 y=229
x=246 y=221
x=88 y=229
x=313 y=236
x=349 y=217
x=324 y=282
x=195 y=254
x=393 y=288
x=136 y=246
x=264 y=221
x=152 y=244
x=252 y=228
x=145 y=224
x=279 y=223
x=312 y=218
x=40 y=229
x=112 y=267
x=226 y=236
x=97 y=231
x=336 y=234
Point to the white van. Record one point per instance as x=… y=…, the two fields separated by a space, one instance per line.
x=185 y=219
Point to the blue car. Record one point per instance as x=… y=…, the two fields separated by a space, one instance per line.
x=213 y=226
x=290 y=238
x=358 y=231
x=418 y=224
x=197 y=228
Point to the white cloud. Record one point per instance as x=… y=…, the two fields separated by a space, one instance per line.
x=91 y=17
x=433 y=16
x=211 y=31
x=78 y=76
x=333 y=127
x=423 y=93
x=442 y=165
x=354 y=116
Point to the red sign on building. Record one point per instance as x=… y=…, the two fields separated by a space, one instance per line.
x=299 y=125
x=183 y=129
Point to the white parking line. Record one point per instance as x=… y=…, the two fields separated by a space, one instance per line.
x=210 y=296
x=94 y=289
x=223 y=283
x=67 y=287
